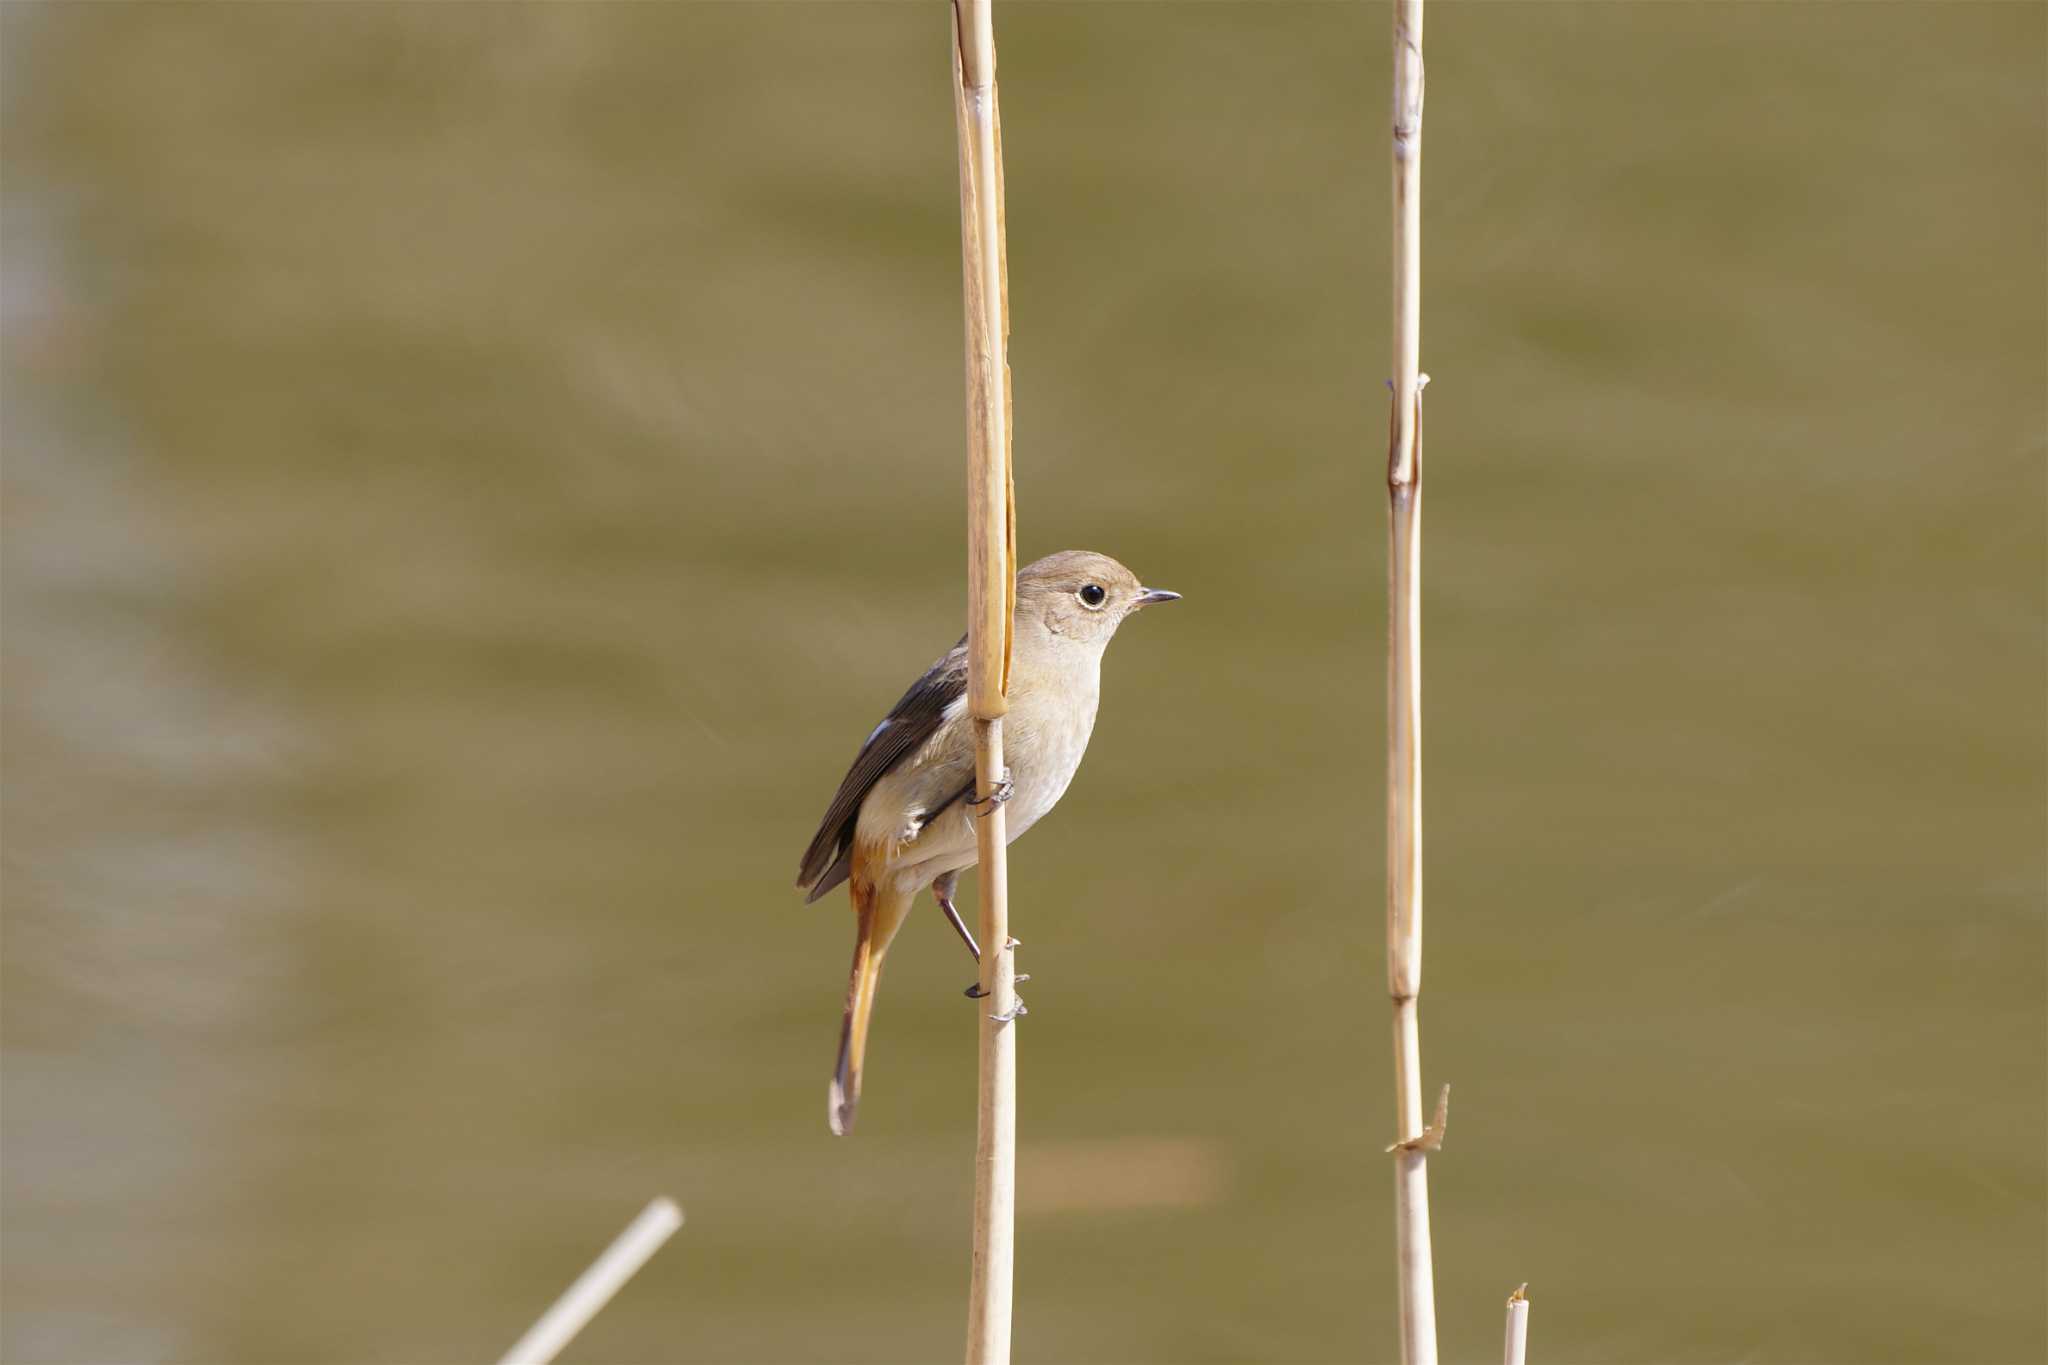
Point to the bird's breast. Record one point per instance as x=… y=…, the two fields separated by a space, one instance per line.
x=1053 y=694
x=1044 y=737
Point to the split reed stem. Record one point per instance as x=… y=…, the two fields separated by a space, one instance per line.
x=991 y=606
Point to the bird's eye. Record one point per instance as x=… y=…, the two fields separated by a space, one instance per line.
x=1092 y=595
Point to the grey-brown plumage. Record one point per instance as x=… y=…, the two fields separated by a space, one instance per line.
x=913 y=720
x=900 y=821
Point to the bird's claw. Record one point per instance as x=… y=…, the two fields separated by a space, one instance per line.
x=1016 y=1011
x=975 y=992
x=1004 y=790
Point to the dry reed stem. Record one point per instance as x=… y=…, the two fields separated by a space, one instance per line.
x=594 y=1288
x=1517 y=1351
x=991 y=606
x=1404 y=704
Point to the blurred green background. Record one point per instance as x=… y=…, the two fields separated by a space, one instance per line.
x=474 y=473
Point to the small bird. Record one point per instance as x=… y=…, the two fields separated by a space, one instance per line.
x=903 y=819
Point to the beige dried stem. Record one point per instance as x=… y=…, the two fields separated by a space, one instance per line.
x=1415 y=1139
x=991 y=605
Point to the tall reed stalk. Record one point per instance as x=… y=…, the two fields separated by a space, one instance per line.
x=991 y=606
x=1404 y=707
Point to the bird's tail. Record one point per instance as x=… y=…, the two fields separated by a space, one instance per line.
x=880 y=914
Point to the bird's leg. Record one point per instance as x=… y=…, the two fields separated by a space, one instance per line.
x=1004 y=790
x=942 y=892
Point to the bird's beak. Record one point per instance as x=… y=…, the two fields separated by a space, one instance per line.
x=1150 y=595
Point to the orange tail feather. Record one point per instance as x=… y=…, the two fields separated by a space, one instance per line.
x=879 y=915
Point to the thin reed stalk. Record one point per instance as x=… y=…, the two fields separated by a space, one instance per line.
x=1516 y=1351
x=594 y=1288
x=991 y=605
x=1404 y=707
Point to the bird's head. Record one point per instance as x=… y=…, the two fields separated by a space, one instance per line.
x=1082 y=595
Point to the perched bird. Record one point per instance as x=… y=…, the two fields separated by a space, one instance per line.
x=902 y=818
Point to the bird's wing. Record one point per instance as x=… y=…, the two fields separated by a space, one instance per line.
x=910 y=725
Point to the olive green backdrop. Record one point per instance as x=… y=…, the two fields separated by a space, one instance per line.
x=474 y=473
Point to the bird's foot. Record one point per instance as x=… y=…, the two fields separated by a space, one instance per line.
x=1004 y=790
x=975 y=992
x=1016 y=1011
